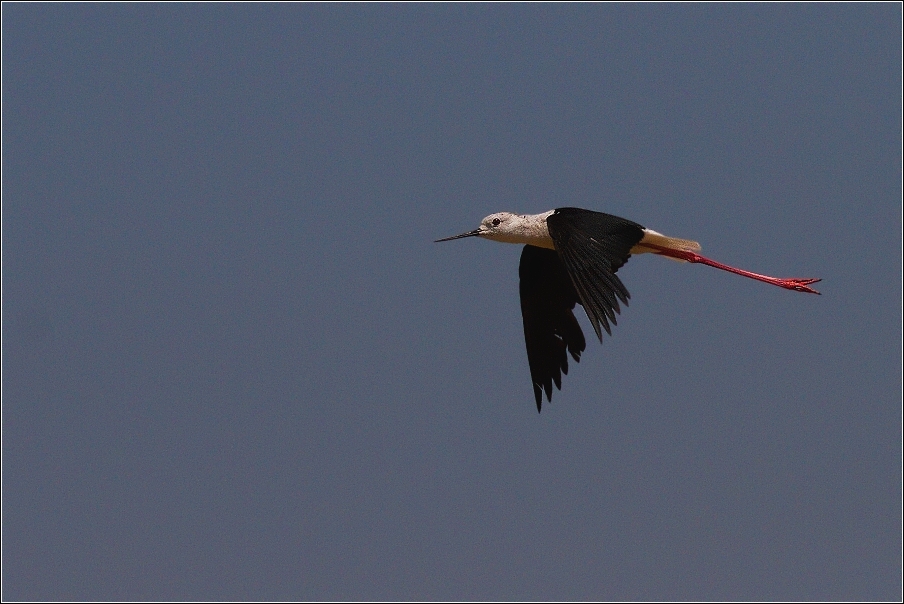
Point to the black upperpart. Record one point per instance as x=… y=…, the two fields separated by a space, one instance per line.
x=590 y=248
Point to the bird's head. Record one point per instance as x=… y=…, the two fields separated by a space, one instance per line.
x=498 y=227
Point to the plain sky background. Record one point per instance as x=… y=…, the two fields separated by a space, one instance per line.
x=235 y=364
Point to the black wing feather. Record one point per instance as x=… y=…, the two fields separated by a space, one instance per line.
x=550 y=327
x=593 y=246
x=590 y=248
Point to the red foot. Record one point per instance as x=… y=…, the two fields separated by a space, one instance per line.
x=799 y=285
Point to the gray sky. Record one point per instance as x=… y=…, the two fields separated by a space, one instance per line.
x=236 y=366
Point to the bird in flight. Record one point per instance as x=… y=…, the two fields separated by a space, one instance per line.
x=570 y=257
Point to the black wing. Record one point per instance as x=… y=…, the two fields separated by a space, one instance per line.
x=592 y=246
x=550 y=327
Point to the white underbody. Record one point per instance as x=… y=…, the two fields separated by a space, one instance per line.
x=531 y=229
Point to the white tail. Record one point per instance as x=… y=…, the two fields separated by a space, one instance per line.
x=660 y=240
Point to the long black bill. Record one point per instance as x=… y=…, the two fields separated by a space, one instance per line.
x=473 y=233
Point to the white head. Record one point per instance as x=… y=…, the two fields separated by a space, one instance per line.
x=512 y=228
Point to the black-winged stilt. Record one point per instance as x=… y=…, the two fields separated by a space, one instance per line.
x=571 y=256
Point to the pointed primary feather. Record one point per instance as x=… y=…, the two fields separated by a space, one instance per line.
x=593 y=246
x=550 y=327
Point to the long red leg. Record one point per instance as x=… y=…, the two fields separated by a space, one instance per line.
x=799 y=285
